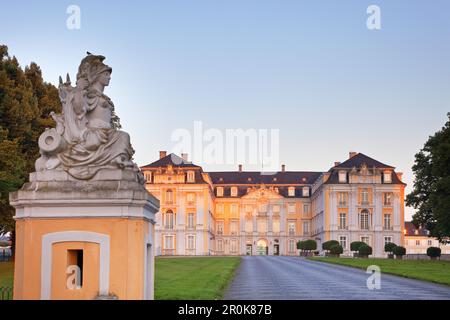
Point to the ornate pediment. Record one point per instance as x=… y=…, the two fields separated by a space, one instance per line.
x=262 y=193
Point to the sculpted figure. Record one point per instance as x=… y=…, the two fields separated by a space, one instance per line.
x=86 y=138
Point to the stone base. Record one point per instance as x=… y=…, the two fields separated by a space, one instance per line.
x=109 y=223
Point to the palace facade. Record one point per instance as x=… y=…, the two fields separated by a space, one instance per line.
x=252 y=213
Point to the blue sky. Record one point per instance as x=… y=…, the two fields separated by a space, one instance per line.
x=311 y=69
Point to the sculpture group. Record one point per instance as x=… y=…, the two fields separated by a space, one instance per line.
x=86 y=137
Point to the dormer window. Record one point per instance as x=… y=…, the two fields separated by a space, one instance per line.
x=342 y=177
x=291 y=192
x=387 y=177
x=148 y=176
x=234 y=191
x=190 y=176
x=305 y=191
x=219 y=192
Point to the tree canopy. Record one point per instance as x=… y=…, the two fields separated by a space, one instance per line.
x=25 y=105
x=431 y=193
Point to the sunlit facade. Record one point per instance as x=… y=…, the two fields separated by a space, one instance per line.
x=249 y=213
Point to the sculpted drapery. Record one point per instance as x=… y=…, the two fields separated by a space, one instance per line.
x=86 y=138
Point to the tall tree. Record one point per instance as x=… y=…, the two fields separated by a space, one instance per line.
x=431 y=193
x=25 y=105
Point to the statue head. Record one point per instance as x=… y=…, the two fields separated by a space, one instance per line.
x=92 y=70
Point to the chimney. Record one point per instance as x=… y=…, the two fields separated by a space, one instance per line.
x=283 y=168
x=185 y=157
x=240 y=168
x=162 y=154
x=336 y=163
x=351 y=154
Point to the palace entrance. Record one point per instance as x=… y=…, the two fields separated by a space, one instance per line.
x=261 y=247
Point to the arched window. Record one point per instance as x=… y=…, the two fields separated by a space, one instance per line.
x=169 y=196
x=169 y=219
x=364 y=219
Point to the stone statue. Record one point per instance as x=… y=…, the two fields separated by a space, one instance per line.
x=86 y=138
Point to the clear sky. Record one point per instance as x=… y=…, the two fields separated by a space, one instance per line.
x=311 y=69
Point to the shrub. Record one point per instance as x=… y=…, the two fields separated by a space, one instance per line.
x=336 y=249
x=365 y=250
x=399 y=251
x=310 y=245
x=354 y=246
x=434 y=252
x=300 y=245
x=389 y=247
x=328 y=244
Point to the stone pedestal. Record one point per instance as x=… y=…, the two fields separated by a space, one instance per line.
x=97 y=234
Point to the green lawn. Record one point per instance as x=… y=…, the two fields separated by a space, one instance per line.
x=6 y=274
x=176 y=278
x=434 y=271
x=193 y=278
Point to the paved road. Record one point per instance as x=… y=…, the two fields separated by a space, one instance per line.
x=292 y=278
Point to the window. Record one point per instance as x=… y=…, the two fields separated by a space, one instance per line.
x=233 y=227
x=190 y=221
x=364 y=220
x=387 y=198
x=233 y=209
x=364 y=196
x=342 y=198
x=148 y=176
x=219 y=191
x=169 y=196
x=305 y=228
x=305 y=191
x=291 y=228
x=430 y=242
x=219 y=208
x=291 y=245
x=169 y=220
x=366 y=240
x=306 y=208
x=276 y=209
x=190 y=242
x=342 y=220
x=190 y=176
x=249 y=225
x=387 y=221
x=219 y=245
x=190 y=198
x=169 y=242
x=387 y=177
x=75 y=259
x=233 y=245
x=276 y=226
x=417 y=242
x=342 y=177
x=291 y=208
x=262 y=225
x=219 y=227
x=387 y=240
x=343 y=242
x=234 y=191
x=291 y=192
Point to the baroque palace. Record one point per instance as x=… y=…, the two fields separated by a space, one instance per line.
x=251 y=213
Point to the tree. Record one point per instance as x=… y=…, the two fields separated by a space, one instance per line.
x=336 y=250
x=399 y=251
x=431 y=193
x=25 y=105
x=433 y=252
x=389 y=247
x=354 y=246
x=328 y=244
x=364 y=251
